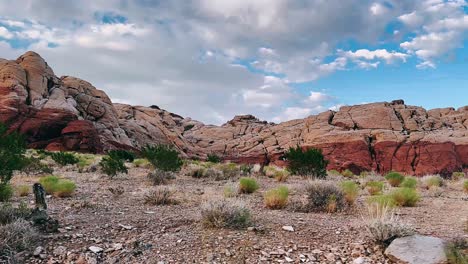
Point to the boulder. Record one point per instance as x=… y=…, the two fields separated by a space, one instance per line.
x=417 y=249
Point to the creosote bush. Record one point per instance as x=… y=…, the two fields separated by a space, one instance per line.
x=374 y=187
x=6 y=192
x=112 y=166
x=248 y=185
x=64 y=158
x=350 y=190
x=309 y=162
x=276 y=198
x=225 y=214
x=57 y=186
x=409 y=182
x=384 y=226
x=124 y=155
x=394 y=178
x=213 y=158
x=163 y=157
x=324 y=197
x=404 y=196
x=161 y=196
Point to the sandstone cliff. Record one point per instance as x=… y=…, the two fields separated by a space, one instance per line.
x=67 y=113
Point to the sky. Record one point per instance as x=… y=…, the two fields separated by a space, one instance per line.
x=276 y=59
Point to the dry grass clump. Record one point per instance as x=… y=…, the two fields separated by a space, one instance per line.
x=196 y=171
x=142 y=163
x=457 y=251
x=430 y=181
x=281 y=175
x=409 y=182
x=276 y=198
x=324 y=197
x=405 y=196
x=229 y=191
x=465 y=186
x=382 y=201
x=230 y=170
x=214 y=174
x=394 y=178
x=16 y=236
x=225 y=214
x=160 y=177
x=350 y=190
x=23 y=190
x=161 y=196
x=384 y=225
x=375 y=187
x=458 y=175
x=248 y=185
x=9 y=214
x=347 y=173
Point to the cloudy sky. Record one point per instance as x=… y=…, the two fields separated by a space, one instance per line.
x=276 y=59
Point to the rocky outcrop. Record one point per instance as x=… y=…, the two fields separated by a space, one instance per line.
x=68 y=113
x=417 y=249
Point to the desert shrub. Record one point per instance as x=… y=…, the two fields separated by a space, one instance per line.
x=324 y=197
x=309 y=162
x=57 y=187
x=49 y=182
x=405 y=196
x=374 y=187
x=383 y=225
x=409 y=182
x=6 y=192
x=121 y=154
x=160 y=196
x=197 y=172
x=281 y=175
x=16 y=237
x=457 y=251
x=34 y=166
x=23 y=190
x=270 y=171
x=334 y=173
x=229 y=191
x=64 y=158
x=458 y=175
x=246 y=169
x=276 y=198
x=213 y=158
x=248 y=185
x=141 y=163
x=112 y=166
x=160 y=177
x=382 y=201
x=225 y=214
x=188 y=127
x=214 y=174
x=9 y=214
x=230 y=170
x=347 y=173
x=430 y=181
x=163 y=157
x=394 y=178
x=465 y=186
x=12 y=149
x=350 y=190
x=64 y=188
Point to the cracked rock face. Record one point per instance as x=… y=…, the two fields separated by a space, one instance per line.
x=68 y=113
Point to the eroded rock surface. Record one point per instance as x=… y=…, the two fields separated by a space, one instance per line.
x=68 y=113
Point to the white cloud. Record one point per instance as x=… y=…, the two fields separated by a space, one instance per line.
x=389 y=57
x=5 y=33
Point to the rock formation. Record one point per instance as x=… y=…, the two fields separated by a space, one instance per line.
x=70 y=114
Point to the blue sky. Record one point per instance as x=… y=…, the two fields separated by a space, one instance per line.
x=278 y=60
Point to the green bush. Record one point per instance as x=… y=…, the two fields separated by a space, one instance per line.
x=12 y=149
x=64 y=158
x=213 y=158
x=347 y=173
x=394 y=178
x=309 y=162
x=6 y=192
x=350 y=190
x=405 y=196
x=409 y=182
x=163 y=157
x=374 y=187
x=141 y=163
x=276 y=198
x=112 y=166
x=57 y=187
x=124 y=155
x=225 y=214
x=248 y=185
x=246 y=169
x=324 y=197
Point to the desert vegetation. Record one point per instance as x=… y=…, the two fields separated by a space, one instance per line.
x=192 y=200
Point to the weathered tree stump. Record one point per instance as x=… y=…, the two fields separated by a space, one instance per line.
x=40 y=196
x=39 y=215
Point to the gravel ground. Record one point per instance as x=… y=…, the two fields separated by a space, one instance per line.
x=125 y=230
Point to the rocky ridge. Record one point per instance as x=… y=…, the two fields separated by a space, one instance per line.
x=68 y=113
